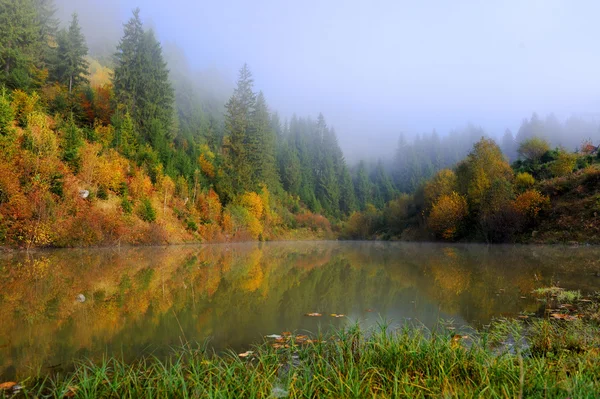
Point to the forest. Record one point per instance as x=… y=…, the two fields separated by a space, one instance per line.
x=120 y=150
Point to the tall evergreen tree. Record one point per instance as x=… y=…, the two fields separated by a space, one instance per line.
x=72 y=49
x=260 y=145
x=362 y=186
x=19 y=40
x=237 y=174
x=142 y=86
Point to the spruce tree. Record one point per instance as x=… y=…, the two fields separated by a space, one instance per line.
x=237 y=174
x=260 y=145
x=142 y=86
x=19 y=39
x=72 y=49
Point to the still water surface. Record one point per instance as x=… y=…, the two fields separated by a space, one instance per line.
x=148 y=300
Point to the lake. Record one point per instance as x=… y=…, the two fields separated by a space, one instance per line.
x=57 y=306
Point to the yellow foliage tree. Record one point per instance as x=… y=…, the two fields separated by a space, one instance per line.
x=447 y=214
x=253 y=202
x=443 y=183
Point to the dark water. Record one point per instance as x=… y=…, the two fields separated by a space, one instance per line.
x=148 y=300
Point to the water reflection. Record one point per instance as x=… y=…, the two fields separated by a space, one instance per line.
x=144 y=300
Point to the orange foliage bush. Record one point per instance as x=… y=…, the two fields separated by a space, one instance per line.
x=531 y=203
x=447 y=215
x=140 y=185
x=209 y=206
x=313 y=221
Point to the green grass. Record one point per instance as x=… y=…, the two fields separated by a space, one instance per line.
x=541 y=358
x=561 y=295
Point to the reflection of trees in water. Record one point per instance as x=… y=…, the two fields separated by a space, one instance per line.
x=238 y=292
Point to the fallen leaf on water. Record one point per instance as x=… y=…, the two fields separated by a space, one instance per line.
x=245 y=354
x=314 y=314
x=7 y=385
x=523 y=297
x=274 y=336
x=280 y=340
x=286 y=333
x=337 y=315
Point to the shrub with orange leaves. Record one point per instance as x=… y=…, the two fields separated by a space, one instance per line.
x=313 y=221
x=209 y=206
x=531 y=203
x=140 y=185
x=447 y=214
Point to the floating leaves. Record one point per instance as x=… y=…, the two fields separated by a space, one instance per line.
x=313 y=314
x=337 y=315
x=246 y=354
x=287 y=340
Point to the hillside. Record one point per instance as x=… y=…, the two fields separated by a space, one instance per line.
x=574 y=212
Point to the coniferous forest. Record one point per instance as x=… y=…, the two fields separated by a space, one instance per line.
x=120 y=150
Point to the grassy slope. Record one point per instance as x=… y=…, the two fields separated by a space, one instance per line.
x=574 y=214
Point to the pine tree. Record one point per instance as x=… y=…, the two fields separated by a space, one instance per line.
x=19 y=39
x=142 y=86
x=128 y=68
x=347 y=195
x=260 y=146
x=237 y=175
x=72 y=143
x=125 y=138
x=72 y=49
x=362 y=186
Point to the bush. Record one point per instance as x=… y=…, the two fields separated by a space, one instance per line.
x=146 y=211
x=564 y=164
x=530 y=204
x=191 y=225
x=524 y=180
x=102 y=193
x=126 y=206
x=7 y=115
x=313 y=221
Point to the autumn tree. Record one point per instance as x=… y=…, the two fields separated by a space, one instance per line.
x=533 y=148
x=447 y=214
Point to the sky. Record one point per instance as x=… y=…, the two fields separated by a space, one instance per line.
x=378 y=68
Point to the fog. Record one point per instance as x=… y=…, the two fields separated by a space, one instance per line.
x=379 y=68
